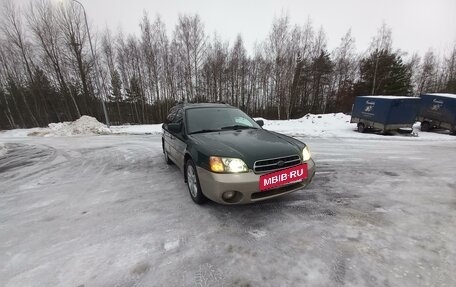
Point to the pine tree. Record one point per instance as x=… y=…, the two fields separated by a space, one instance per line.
x=48 y=102
x=116 y=87
x=116 y=91
x=134 y=95
x=450 y=86
x=384 y=72
x=322 y=67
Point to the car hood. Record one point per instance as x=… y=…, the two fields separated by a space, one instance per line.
x=248 y=144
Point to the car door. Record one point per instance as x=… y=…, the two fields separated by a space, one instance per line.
x=179 y=140
x=167 y=135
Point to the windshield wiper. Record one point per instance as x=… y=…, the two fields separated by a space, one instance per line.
x=237 y=127
x=204 y=131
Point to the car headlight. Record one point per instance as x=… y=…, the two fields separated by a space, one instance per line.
x=306 y=154
x=227 y=164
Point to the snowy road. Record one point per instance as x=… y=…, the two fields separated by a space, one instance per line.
x=107 y=211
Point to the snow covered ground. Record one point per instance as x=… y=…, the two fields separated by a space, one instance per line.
x=83 y=126
x=107 y=211
x=326 y=125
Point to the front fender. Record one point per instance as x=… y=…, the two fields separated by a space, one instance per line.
x=199 y=157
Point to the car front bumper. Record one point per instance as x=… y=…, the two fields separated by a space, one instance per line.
x=213 y=185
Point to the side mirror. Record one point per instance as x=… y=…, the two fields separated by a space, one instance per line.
x=260 y=123
x=175 y=127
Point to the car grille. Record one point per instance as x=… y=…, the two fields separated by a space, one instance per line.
x=272 y=164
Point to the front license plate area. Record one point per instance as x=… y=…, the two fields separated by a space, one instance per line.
x=283 y=177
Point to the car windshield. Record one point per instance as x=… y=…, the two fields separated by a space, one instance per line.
x=216 y=119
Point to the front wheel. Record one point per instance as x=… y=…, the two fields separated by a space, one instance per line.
x=361 y=128
x=425 y=126
x=193 y=184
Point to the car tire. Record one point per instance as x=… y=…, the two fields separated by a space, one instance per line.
x=361 y=128
x=425 y=126
x=165 y=155
x=193 y=184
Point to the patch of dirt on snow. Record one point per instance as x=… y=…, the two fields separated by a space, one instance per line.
x=85 y=125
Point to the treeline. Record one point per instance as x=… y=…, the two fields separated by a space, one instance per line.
x=47 y=73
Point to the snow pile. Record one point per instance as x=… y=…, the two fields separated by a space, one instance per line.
x=83 y=126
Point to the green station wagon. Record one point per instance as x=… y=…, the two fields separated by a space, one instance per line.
x=229 y=158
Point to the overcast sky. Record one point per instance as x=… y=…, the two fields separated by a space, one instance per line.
x=417 y=24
